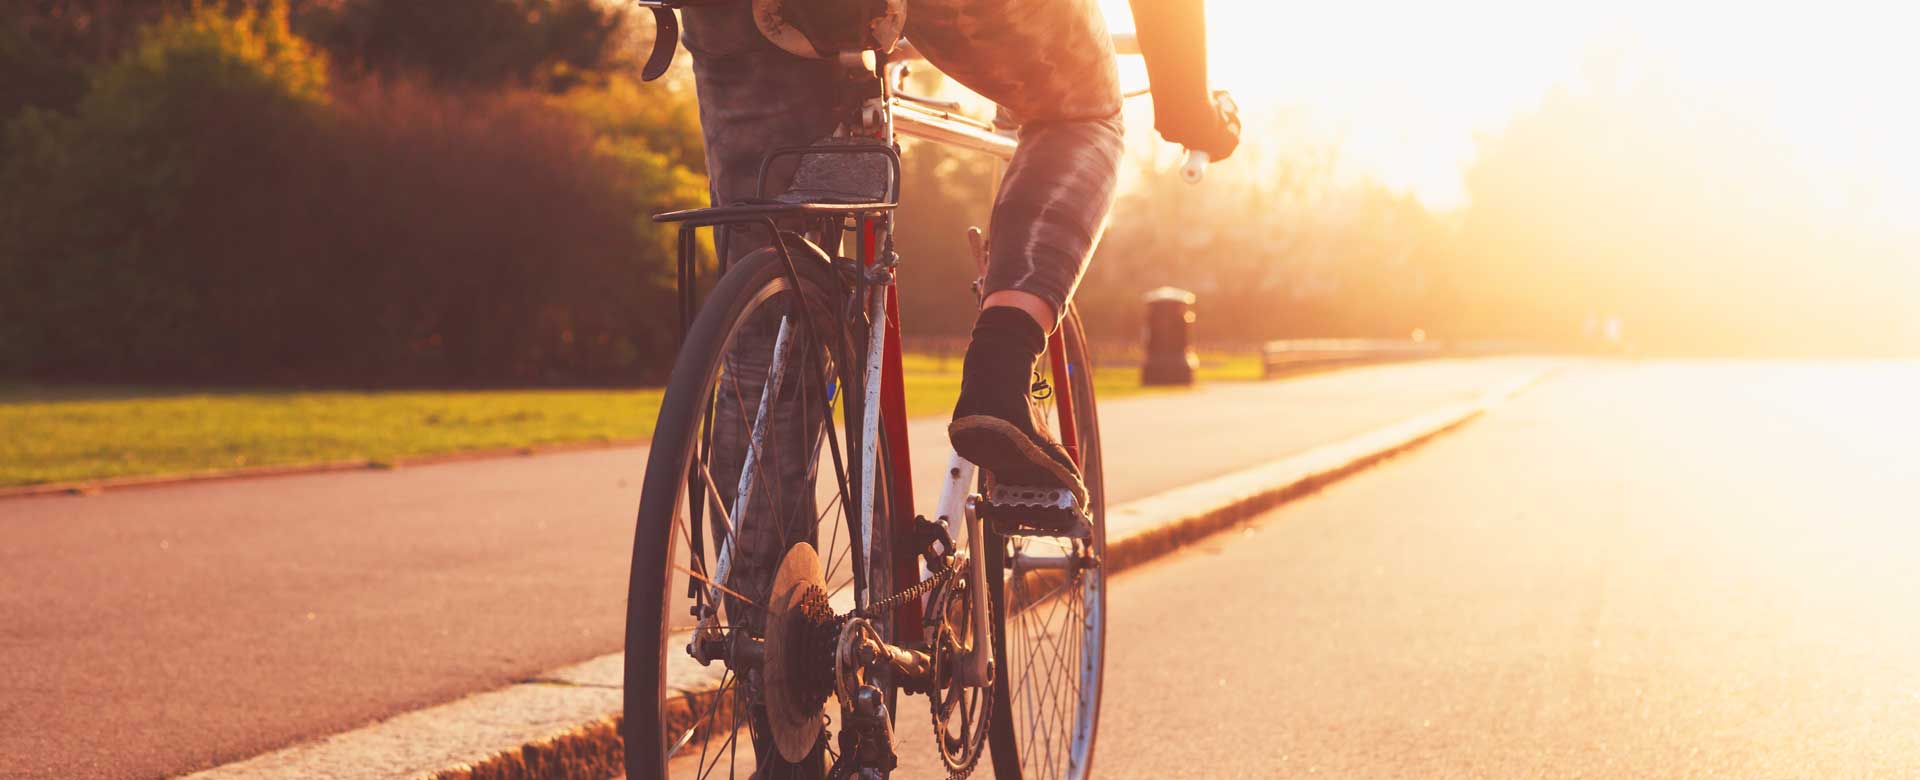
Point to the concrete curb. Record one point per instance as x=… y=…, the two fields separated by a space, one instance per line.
x=565 y=725
x=97 y=486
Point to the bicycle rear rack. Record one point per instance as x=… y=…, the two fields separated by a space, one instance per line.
x=822 y=198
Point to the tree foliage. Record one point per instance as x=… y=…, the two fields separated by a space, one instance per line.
x=101 y=226
x=1275 y=244
x=1670 y=206
x=946 y=193
x=214 y=210
x=546 y=44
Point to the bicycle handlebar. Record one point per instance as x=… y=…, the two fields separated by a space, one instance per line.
x=1194 y=168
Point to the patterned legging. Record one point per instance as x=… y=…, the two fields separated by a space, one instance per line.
x=1047 y=62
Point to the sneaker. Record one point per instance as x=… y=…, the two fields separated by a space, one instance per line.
x=995 y=423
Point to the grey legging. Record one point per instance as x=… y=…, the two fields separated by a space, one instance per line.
x=1048 y=62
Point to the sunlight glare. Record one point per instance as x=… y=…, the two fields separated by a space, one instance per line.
x=1406 y=87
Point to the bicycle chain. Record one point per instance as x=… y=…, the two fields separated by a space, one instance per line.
x=939 y=577
x=913 y=591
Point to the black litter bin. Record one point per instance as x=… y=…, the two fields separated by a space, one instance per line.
x=1170 y=357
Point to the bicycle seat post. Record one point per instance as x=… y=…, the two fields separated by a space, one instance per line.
x=865 y=95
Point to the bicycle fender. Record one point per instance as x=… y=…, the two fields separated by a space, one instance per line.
x=666 y=40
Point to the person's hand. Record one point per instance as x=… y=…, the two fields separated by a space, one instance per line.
x=1213 y=128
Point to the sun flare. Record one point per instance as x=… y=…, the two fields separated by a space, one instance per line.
x=1406 y=87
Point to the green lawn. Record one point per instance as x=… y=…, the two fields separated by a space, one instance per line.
x=69 y=433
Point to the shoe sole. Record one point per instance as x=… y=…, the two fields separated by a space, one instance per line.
x=1010 y=456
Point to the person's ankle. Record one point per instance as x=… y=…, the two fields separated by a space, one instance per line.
x=998 y=370
x=1035 y=307
x=1011 y=328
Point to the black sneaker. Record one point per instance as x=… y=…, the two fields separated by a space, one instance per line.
x=995 y=425
x=1014 y=456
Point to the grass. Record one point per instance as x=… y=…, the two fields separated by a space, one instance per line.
x=63 y=433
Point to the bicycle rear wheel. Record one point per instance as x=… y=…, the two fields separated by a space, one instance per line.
x=1050 y=607
x=750 y=457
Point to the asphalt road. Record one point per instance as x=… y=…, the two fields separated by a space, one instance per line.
x=153 y=632
x=1632 y=571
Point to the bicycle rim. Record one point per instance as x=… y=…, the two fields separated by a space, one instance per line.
x=1051 y=623
x=757 y=391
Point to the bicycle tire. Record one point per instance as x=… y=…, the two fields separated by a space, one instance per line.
x=660 y=716
x=1024 y=742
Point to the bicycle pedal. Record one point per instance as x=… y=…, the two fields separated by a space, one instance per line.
x=1019 y=510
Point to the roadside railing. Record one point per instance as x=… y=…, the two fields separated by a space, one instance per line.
x=1289 y=356
x=1277 y=358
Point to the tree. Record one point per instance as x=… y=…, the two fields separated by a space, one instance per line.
x=1276 y=244
x=544 y=44
x=104 y=257
x=1672 y=206
x=947 y=191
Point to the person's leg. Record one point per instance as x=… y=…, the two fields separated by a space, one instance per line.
x=1051 y=63
x=1046 y=223
x=1050 y=213
x=755 y=97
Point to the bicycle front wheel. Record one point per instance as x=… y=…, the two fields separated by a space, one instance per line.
x=1050 y=605
x=749 y=459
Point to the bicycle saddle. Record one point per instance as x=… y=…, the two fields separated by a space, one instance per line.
x=818 y=29
x=815 y=29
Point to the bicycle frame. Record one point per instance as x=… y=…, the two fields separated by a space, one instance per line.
x=883 y=395
x=816 y=209
x=937 y=122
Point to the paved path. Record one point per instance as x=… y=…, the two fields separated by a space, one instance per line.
x=152 y=632
x=1632 y=571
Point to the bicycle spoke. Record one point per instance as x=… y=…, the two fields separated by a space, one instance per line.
x=713 y=498
x=1046 y=702
x=727 y=748
x=834 y=540
x=733 y=753
x=712 y=707
x=722 y=588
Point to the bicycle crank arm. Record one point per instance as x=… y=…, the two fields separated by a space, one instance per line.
x=977 y=668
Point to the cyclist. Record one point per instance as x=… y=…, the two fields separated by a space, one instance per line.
x=1047 y=63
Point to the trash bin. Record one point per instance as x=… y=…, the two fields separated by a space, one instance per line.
x=1170 y=357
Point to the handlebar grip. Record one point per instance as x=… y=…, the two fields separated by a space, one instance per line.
x=1194 y=168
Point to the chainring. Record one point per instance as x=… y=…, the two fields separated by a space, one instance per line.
x=960 y=711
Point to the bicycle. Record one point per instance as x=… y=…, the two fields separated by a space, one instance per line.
x=741 y=670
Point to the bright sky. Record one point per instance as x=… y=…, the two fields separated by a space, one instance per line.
x=1405 y=86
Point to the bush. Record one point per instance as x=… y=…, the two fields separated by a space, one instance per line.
x=33 y=73
x=208 y=213
x=114 y=254
x=545 y=44
x=502 y=244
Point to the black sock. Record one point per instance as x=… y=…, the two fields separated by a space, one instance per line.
x=998 y=372
x=1013 y=328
